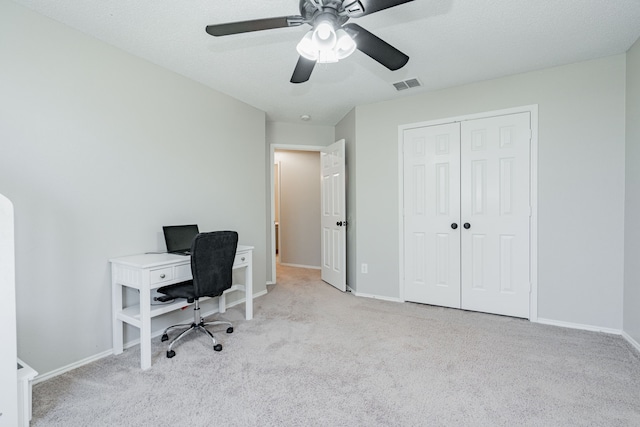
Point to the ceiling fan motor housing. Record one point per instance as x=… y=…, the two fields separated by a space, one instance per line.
x=317 y=11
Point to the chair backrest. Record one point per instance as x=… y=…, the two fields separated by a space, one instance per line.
x=212 y=256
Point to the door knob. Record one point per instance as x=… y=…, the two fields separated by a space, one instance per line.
x=454 y=225
x=467 y=225
x=339 y=223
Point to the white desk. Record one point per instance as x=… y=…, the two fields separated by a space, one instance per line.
x=26 y=374
x=146 y=272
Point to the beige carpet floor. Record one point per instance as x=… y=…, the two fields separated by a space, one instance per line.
x=314 y=356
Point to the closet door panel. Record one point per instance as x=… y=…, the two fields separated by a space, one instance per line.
x=495 y=212
x=432 y=206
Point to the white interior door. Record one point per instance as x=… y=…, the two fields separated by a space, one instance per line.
x=334 y=219
x=467 y=213
x=496 y=210
x=432 y=214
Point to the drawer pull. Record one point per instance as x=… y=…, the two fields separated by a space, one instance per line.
x=162 y=276
x=242 y=259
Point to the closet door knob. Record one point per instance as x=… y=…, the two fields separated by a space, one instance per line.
x=467 y=225
x=454 y=225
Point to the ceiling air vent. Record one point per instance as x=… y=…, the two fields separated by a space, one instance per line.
x=407 y=84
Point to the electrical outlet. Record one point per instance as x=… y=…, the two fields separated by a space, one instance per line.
x=365 y=268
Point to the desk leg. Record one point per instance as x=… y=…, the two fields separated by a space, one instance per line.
x=145 y=329
x=117 y=325
x=248 y=285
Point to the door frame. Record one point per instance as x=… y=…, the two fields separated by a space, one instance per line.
x=272 y=210
x=533 y=183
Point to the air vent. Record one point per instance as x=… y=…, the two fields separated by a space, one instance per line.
x=407 y=84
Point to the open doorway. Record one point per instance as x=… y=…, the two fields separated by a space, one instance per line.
x=295 y=207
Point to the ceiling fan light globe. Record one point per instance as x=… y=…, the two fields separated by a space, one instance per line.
x=345 y=45
x=324 y=36
x=324 y=30
x=307 y=48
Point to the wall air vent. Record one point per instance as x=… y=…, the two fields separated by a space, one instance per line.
x=407 y=84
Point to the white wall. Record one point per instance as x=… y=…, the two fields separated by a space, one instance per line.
x=581 y=182
x=299 y=134
x=99 y=150
x=632 y=204
x=300 y=207
x=346 y=129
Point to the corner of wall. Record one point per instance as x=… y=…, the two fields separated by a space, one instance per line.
x=631 y=290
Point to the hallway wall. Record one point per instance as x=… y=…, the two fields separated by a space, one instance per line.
x=299 y=207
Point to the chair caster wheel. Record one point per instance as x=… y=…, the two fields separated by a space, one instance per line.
x=164 y=338
x=230 y=330
x=217 y=347
x=170 y=354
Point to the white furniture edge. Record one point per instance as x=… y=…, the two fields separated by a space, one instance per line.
x=9 y=411
x=26 y=374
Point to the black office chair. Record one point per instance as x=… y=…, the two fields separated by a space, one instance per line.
x=212 y=256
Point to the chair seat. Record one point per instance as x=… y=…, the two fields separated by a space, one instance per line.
x=183 y=290
x=179 y=290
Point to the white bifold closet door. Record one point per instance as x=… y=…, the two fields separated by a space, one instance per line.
x=432 y=206
x=467 y=214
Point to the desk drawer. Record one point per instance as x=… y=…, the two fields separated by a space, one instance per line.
x=183 y=272
x=161 y=275
x=241 y=259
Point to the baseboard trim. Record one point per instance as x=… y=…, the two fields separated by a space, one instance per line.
x=591 y=328
x=578 y=326
x=48 y=375
x=372 y=296
x=259 y=294
x=313 y=267
x=631 y=341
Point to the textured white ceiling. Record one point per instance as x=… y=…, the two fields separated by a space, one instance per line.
x=450 y=42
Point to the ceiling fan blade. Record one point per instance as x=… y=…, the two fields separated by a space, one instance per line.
x=303 y=70
x=376 y=48
x=372 y=6
x=254 y=25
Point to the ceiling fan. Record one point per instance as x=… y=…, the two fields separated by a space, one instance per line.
x=331 y=37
